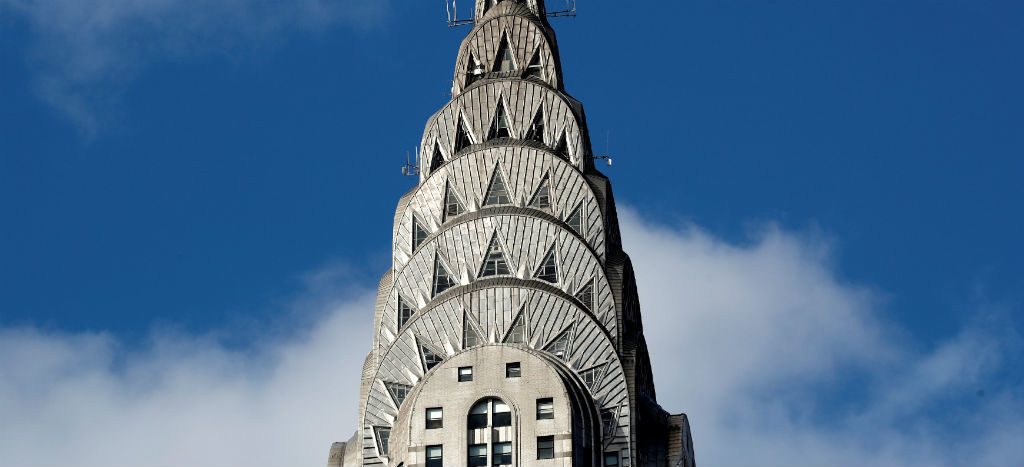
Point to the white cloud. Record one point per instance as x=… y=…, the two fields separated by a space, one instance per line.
x=86 y=50
x=182 y=400
x=776 y=359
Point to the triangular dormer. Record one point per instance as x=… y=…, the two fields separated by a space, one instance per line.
x=505 y=60
x=495 y=263
x=453 y=206
x=500 y=124
x=536 y=131
x=462 y=138
x=497 y=191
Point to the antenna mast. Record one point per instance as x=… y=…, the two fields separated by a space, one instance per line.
x=454 y=21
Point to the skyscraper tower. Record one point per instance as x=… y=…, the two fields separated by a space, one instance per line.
x=508 y=330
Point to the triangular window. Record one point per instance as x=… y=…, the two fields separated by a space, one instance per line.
x=419 y=234
x=548 y=270
x=517 y=332
x=443 y=279
x=536 y=132
x=470 y=336
x=562 y=147
x=462 y=140
x=473 y=71
x=586 y=295
x=535 y=68
x=405 y=312
x=499 y=127
x=591 y=377
x=575 y=220
x=542 y=197
x=430 y=358
x=609 y=422
x=560 y=346
x=398 y=392
x=496 y=192
x=453 y=207
x=494 y=263
x=437 y=160
x=505 y=61
x=382 y=434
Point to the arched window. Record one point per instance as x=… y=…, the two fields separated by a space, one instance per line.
x=489 y=434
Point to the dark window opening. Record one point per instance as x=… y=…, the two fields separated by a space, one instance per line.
x=419 y=234
x=405 y=312
x=462 y=140
x=535 y=68
x=545 y=447
x=435 y=418
x=383 y=436
x=477 y=455
x=438 y=159
x=443 y=279
x=470 y=336
x=500 y=127
x=496 y=192
x=453 y=207
x=505 y=61
x=513 y=370
x=430 y=358
x=435 y=456
x=536 y=132
x=548 y=271
x=494 y=262
x=545 y=409
x=465 y=374
x=517 y=334
x=542 y=197
x=575 y=220
x=501 y=454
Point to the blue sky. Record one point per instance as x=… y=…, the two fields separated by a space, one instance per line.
x=217 y=169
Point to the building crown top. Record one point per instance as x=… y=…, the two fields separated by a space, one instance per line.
x=489 y=7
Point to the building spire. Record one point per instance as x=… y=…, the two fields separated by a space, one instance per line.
x=485 y=7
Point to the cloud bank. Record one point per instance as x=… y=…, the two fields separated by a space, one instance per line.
x=85 y=51
x=777 y=360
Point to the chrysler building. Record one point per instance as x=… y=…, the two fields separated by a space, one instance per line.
x=507 y=331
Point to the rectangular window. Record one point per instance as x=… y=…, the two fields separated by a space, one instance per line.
x=545 y=409
x=477 y=455
x=502 y=415
x=611 y=459
x=545 y=447
x=465 y=374
x=502 y=454
x=435 y=456
x=513 y=370
x=434 y=418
